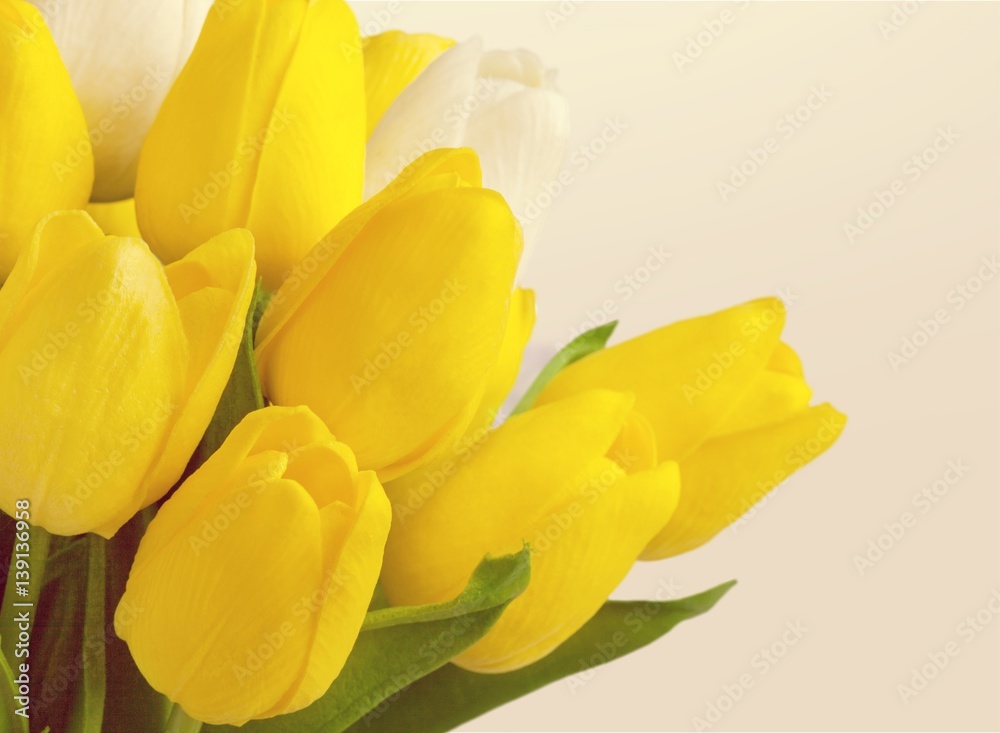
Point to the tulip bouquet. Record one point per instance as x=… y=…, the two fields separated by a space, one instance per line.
x=258 y=324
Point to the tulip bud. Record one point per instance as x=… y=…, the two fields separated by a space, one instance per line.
x=251 y=583
x=551 y=477
x=726 y=399
x=502 y=104
x=391 y=327
x=45 y=157
x=111 y=367
x=264 y=129
x=122 y=56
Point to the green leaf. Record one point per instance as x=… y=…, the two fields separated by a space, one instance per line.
x=9 y=719
x=495 y=582
x=400 y=645
x=452 y=696
x=57 y=643
x=586 y=343
x=88 y=708
x=242 y=394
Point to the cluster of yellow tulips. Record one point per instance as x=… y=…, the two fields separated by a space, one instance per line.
x=288 y=150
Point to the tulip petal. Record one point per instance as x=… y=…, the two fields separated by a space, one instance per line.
x=349 y=581
x=785 y=360
x=243 y=642
x=210 y=123
x=528 y=467
x=728 y=475
x=123 y=56
x=406 y=327
x=635 y=447
x=57 y=238
x=46 y=163
x=111 y=352
x=771 y=398
x=312 y=167
x=116 y=218
x=687 y=377
x=581 y=552
x=213 y=285
x=521 y=141
x=520 y=322
x=262 y=432
x=424 y=111
x=449 y=163
x=392 y=60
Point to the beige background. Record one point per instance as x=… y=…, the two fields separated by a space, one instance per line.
x=891 y=89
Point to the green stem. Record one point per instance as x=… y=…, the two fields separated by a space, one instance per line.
x=15 y=604
x=181 y=722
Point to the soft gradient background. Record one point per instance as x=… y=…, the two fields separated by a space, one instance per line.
x=892 y=85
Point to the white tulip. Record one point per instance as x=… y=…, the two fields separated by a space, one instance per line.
x=122 y=57
x=503 y=104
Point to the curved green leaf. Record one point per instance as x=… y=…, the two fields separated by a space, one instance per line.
x=400 y=645
x=586 y=343
x=451 y=696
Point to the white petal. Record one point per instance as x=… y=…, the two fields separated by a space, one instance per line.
x=122 y=56
x=521 y=141
x=520 y=66
x=429 y=113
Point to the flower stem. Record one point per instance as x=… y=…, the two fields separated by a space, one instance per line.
x=181 y=722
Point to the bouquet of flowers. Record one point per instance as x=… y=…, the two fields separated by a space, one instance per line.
x=259 y=321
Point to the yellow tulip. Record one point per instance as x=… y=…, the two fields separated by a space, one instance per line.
x=391 y=327
x=551 y=477
x=264 y=129
x=46 y=162
x=111 y=367
x=392 y=60
x=251 y=583
x=726 y=399
x=426 y=91
x=116 y=217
